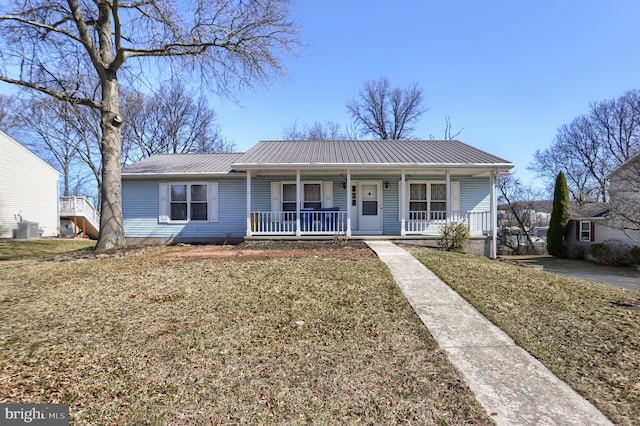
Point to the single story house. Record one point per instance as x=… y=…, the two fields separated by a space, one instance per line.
x=28 y=193
x=588 y=225
x=315 y=189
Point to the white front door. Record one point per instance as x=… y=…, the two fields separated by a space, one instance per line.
x=369 y=197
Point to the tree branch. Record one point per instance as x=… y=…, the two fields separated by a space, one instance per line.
x=35 y=24
x=53 y=93
x=85 y=38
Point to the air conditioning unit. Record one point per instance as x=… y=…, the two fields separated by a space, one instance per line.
x=27 y=230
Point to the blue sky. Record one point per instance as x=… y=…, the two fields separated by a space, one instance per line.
x=508 y=73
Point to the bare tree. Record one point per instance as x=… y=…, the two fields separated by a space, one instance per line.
x=591 y=146
x=386 y=113
x=624 y=194
x=67 y=136
x=519 y=203
x=327 y=130
x=7 y=116
x=448 y=134
x=49 y=133
x=617 y=125
x=76 y=52
x=171 y=121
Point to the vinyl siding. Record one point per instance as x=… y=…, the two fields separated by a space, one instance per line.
x=261 y=189
x=603 y=233
x=141 y=212
x=390 y=207
x=474 y=194
x=28 y=188
x=140 y=199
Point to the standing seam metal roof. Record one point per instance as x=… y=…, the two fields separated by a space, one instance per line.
x=172 y=164
x=274 y=154
x=382 y=152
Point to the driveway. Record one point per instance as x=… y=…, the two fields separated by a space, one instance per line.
x=618 y=281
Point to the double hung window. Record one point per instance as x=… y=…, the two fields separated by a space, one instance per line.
x=188 y=202
x=585 y=231
x=438 y=201
x=311 y=196
x=427 y=201
x=418 y=197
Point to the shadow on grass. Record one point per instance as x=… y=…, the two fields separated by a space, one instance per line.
x=35 y=249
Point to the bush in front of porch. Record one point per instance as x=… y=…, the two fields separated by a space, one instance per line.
x=454 y=237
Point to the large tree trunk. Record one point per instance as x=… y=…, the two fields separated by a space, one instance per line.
x=65 y=169
x=111 y=223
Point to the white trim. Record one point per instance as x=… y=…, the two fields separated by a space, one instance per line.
x=327 y=194
x=407 y=200
x=580 y=230
x=379 y=197
x=349 y=202
x=300 y=195
x=213 y=202
x=494 y=216
x=248 y=203
x=455 y=196
x=403 y=205
x=298 y=203
x=163 y=202
x=276 y=199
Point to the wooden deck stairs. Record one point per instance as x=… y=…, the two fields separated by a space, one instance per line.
x=85 y=218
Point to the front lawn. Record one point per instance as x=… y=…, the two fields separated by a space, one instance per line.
x=578 y=265
x=35 y=249
x=162 y=337
x=586 y=333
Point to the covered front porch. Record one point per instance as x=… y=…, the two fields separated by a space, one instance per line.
x=347 y=203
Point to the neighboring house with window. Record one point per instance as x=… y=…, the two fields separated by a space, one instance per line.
x=28 y=193
x=588 y=225
x=315 y=189
x=619 y=219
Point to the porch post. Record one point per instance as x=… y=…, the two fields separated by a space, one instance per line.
x=448 y=195
x=403 y=205
x=349 y=201
x=248 y=203
x=494 y=219
x=298 y=197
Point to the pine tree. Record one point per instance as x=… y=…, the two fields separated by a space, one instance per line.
x=560 y=216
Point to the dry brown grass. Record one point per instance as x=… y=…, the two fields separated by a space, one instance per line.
x=33 y=249
x=586 y=333
x=153 y=338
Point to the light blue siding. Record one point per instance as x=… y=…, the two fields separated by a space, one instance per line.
x=474 y=194
x=141 y=210
x=261 y=189
x=141 y=204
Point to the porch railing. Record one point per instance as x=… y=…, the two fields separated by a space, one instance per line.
x=311 y=222
x=78 y=206
x=335 y=222
x=427 y=223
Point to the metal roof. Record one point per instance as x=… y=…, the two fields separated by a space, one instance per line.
x=183 y=164
x=368 y=153
x=331 y=154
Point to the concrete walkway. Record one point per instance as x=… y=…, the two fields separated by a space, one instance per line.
x=509 y=383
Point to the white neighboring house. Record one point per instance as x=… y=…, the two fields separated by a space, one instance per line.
x=28 y=192
x=619 y=219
